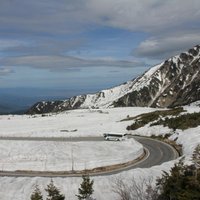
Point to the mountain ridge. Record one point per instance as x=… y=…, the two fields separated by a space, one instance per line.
x=174 y=82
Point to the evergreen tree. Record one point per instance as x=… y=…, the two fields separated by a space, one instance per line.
x=86 y=188
x=36 y=195
x=196 y=156
x=182 y=183
x=53 y=192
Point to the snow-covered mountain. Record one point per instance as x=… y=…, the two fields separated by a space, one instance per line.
x=174 y=82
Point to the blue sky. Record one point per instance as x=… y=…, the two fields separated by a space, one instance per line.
x=88 y=45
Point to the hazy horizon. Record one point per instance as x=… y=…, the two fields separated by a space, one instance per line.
x=18 y=99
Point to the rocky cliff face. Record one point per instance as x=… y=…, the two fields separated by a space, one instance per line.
x=174 y=82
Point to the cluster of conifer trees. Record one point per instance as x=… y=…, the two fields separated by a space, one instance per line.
x=183 y=181
x=53 y=193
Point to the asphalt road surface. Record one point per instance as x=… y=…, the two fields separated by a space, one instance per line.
x=157 y=153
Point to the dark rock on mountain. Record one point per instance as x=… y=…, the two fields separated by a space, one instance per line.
x=174 y=82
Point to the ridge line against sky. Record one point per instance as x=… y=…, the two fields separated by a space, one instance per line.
x=85 y=43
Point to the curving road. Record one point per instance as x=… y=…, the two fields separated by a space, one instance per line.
x=157 y=152
x=160 y=152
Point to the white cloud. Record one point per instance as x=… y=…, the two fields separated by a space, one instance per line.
x=39 y=47
x=159 y=19
x=142 y=15
x=164 y=47
x=173 y=26
x=66 y=15
x=6 y=43
x=5 y=71
x=57 y=63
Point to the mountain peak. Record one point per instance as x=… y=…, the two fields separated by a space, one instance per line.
x=174 y=82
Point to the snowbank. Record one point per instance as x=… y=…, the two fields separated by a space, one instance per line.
x=63 y=156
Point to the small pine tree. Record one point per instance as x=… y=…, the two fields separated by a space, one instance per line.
x=196 y=160
x=36 y=195
x=53 y=192
x=196 y=156
x=86 y=188
x=170 y=184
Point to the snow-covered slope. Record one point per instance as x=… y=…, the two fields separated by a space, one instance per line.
x=171 y=83
x=86 y=123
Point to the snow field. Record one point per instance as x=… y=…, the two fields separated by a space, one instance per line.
x=87 y=123
x=73 y=123
x=59 y=156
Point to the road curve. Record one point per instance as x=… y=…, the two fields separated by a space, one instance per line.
x=158 y=153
